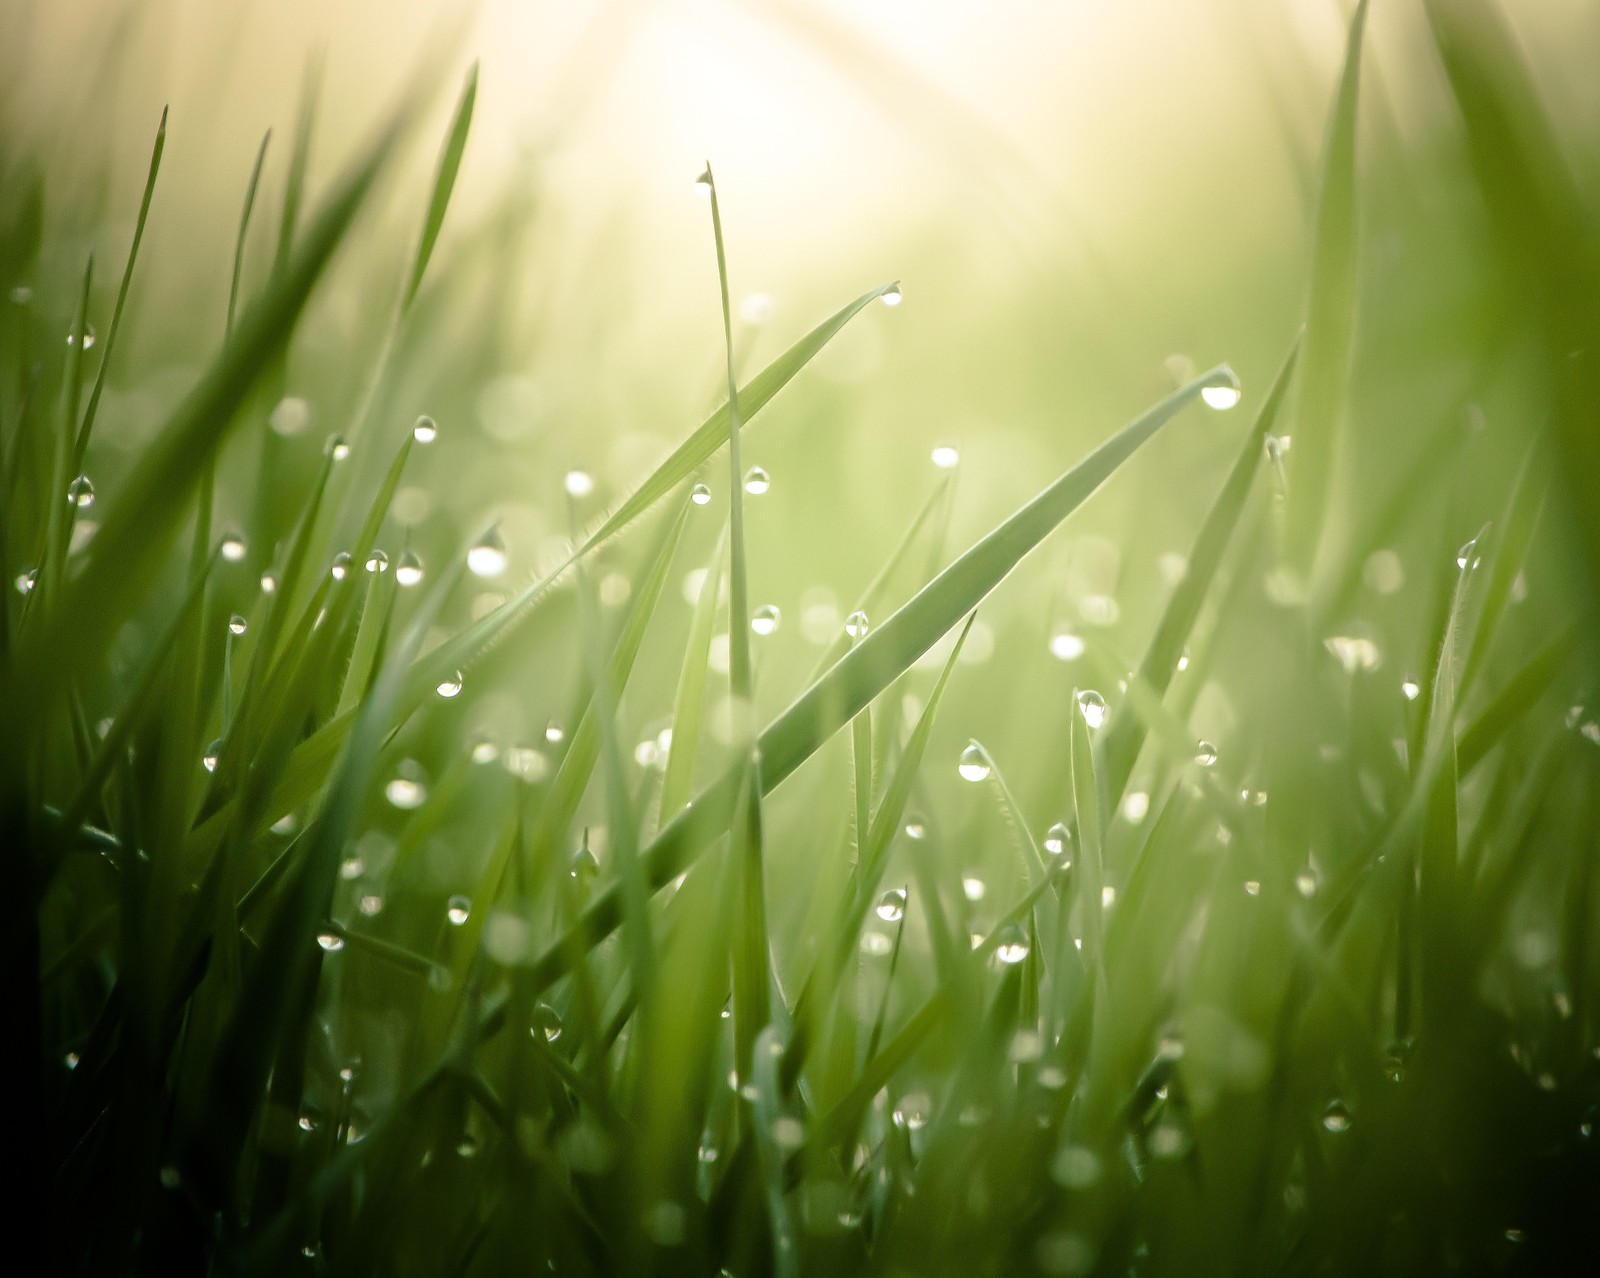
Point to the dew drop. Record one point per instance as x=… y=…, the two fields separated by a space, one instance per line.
x=546 y=1023
x=330 y=941
x=408 y=572
x=307 y=1123
x=1336 y=1118
x=336 y=448
x=891 y=907
x=578 y=483
x=1353 y=653
x=916 y=829
x=1013 y=946
x=488 y=557
x=1058 y=839
x=856 y=625
x=1410 y=689
x=1222 y=395
x=269 y=583
x=340 y=568
x=237 y=625
x=1467 y=557
x=702 y=184
x=426 y=430
x=1305 y=883
x=1276 y=446
x=875 y=943
x=70 y=1060
x=757 y=481
x=26 y=581
x=457 y=909
x=209 y=759
x=1205 y=754
x=892 y=295
x=974 y=764
x=554 y=733
x=88 y=337
x=700 y=495
x=370 y=905
x=913 y=1111
x=972 y=888
x=1093 y=707
x=80 y=493
x=1066 y=646
x=377 y=562
x=232 y=548
x=945 y=457
x=764 y=620
x=407 y=789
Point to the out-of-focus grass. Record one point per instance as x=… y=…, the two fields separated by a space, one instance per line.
x=396 y=884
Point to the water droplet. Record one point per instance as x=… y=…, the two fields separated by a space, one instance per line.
x=1093 y=707
x=892 y=295
x=916 y=829
x=408 y=572
x=1205 y=754
x=527 y=763
x=340 y=568
x=757 y=481
x=488 y=557
x=1183 y=661
x=1108 y=897
x=1224 y=394
x=308 y=1123
x=579 y=483
x=1336 y=1118
x=1276 y=446
x=1066 y=646
x=26 y=581
x=891 y=907
x=336 y=448
x=1013 y=946
x=1252 y=887
x=377 y=561
x=764 y=620
x=450 y=685
x=1076 y=1167
x=788 y=1133
x=232 y=548
x=426 y=430
x=467 y=1147
x=647 y=753
x=1058 y=839
x=700 y=495
x=972 y=888
x=1514 y=1235
x=457 y=909
x=913 y=1111
x=974 y=764
x=88 y=337
x=330 y=940
x=80 y=492
x=370 y=904
x=1353 y=652
x=269 y=583
x=546 y=1023
x=70 y=1060
x=1410 y=689
x=1305 y=883
x=209 y=759
x=708 y=1152
x=703 y=182
x=554 y=733
x=237 y=625
x=856 y=625
x=945 y=457
x=407 y=790
x=1468 y=557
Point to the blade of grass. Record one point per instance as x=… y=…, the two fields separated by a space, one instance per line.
x=444 y=183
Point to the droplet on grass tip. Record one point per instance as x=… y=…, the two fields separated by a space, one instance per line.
x=546 y=1023
x=891 y=907
x=1223 y=394
x=856 y=625
x=330 y=941
x=945 y=457
x=757 y=481
x=1058 y=839
x=458 y=909
x=1410 y=689
x=232 y=548
x=578 y=483
x=450 y=686
x=974 y=764
x=764 y=620
x=488 y=557
x=408 y=572
x=407 y=790
x=1336 y=1118
x=426 y=430
x=213 y=752
x=1467 y=557
x=26 y=581
x=88 y=337
x=892 y=296
x=1353 y=652
x=237 y=625
x=1066 y=646
x=554 y=733
x=973 y=888
x=1305 y=883
x=1205 y=754
x=1275 y=447
x=913 y=1111
x=377 y=562
x=336 y=448
x=340 y=568
x=916 y=829
x=269 y=583
x=700 y=495
x=702 y=184
x=1093 y=708
x=756 y=309
x=1013 y=946
x=80 y=492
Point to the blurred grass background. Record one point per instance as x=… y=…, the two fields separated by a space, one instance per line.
x=1086 y=205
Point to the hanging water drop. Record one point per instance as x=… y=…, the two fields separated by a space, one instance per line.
x=546 y=1023
x=232 y=548
x=237 y=625
x=269 y=583
x=332 y=942
x=377 y=562
x=700 y=495
x=26 y=581
x=891 y=907
x=88 y=337
x=554 y=733
x=1066 y=646
x=1222 y=395
x=80 y=493
x=974 y=764
x=336 y=448
x=1093 y=707
x=341 y=565
x=1205 y=754
x=488 y=557
x=764 y=620
x=1467 y=557
x=757 y=481
x=407 y=790
x=457 y=909
x=213 y=752
x=1058 y=839
x=426 y=430
x=450 y=686
x=856 y=625
x=1336 y=1118
x=892 y=295
x=1013 y=946
x=408 y=572
x=945 y=457
x=578 y=483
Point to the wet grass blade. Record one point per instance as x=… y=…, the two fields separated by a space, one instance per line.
x=688 y=705
x=444 y=183
x=244 y=230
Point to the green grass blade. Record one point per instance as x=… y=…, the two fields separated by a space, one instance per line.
x=443 y=184
x=244 y=230
x=688 y=706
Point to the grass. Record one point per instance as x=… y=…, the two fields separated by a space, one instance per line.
x=1266 y=945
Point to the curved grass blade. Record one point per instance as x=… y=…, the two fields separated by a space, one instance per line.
x=688 y=706
x=244 y=229
x=443 y=184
